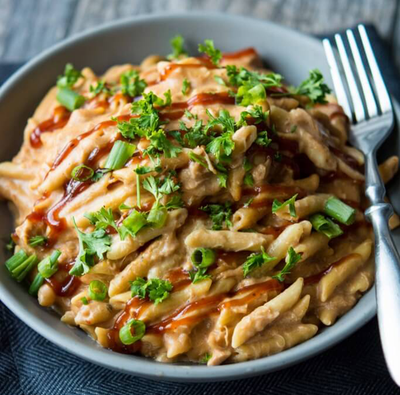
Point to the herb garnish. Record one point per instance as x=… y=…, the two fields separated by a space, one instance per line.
x=177 y=44
x=91 y=245
x=155 y=289
x=290 y=261
x=255 y=261
x=209 y=49
x=131 y=83
x=220 y=215
x=277 y=205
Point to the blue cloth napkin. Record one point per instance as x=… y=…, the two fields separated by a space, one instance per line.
x=29 y=364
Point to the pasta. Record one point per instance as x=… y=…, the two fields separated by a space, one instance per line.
x=191 y=208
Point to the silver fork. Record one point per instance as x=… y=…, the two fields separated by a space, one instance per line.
x=372 y=122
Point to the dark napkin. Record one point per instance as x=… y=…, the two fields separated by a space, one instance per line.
x=29 y=364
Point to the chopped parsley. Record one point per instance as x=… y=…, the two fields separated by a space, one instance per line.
x=131 y=84
x=155 y=289
x=178 y=50
x=313 y=87
x=159 y=144
x=223 y=121
x=100 y=87
x=209 y=49
x=102 y=219
x=185 y=86
x=277 y=205
x=262 y=139
x=195 y=135
x=255 y=261
x=69 y=78
x=290 y=261
x=242 y=76
x=91 y=245
x=251 y=84
x=256 y=114
x=220 y=215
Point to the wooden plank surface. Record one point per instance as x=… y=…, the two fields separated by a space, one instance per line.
x=27 y=27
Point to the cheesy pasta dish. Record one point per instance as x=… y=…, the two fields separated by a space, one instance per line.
x=191 y=208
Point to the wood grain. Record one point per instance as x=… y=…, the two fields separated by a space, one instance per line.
x=27 y=27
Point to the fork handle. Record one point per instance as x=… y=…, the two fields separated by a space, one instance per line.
x=387 y=268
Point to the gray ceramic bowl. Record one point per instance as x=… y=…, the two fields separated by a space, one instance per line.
x=288 y=52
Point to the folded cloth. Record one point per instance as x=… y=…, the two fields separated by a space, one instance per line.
x=29 y=364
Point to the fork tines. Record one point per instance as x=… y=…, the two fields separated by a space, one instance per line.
x=358 y=65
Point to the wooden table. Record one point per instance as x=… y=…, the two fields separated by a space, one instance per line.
x=29 y=26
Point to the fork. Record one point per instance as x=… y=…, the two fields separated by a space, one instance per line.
x=371 y=116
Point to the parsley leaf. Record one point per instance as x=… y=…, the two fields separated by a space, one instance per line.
x=277 y=205
x=262 y=139
x=185 y=86
x=91 y=245
x=174 y=203
x=159 y=144
x=168 y=186
x=242 y=76
x=314 y=87
x=198 y=275
x=223 y=121
x=155 y=289
x=70 y=77
x=102 y=219
x=255 y=261
x=220 y=215
x=209 y=49
x=159 y=187
x=131 y=84
x=177 y=44
x=221 y=147
x=256 y=114
x=190 y=115
x=100 y=87
x=290 y=261
x=196 y=135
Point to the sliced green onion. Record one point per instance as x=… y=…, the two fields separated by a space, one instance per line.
x=48 y=266
x=20 y=264
x=84 y=301
x=120 y=153
x=36 y=284
x=157 y=216
x=82 y=173
x=203 y=257
x=325 y=226
x=36 y=241
x=340 y=211
x=69 y=98
x=125 y=333
x=134 y=222
x=97 y=290
x=16 y=260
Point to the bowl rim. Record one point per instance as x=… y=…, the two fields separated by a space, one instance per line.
x=144 y=367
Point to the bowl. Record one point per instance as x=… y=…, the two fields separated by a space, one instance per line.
x=288 y=52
